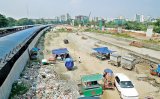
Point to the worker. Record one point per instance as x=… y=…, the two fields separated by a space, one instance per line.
x=62 y=57
x=79 y=60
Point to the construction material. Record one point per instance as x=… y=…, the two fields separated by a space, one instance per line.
x=52 y=59
x=142 y=77
x=136 y=44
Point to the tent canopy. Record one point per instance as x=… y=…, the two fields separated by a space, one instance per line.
x=60 y=51
x=103 y=50
x=92 y=77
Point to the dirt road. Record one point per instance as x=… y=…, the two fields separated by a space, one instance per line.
x=125 y=45
x=79 y=47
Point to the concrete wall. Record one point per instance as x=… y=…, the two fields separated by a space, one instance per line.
x=17 y=69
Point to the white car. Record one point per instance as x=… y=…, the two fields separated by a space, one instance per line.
x=125 y=87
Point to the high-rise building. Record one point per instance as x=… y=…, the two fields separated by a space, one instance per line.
x=57 y=19
x=139 y=18
x=120 y=21
x=63 y=18
x=82 y=19
x=142 y=18
x=68 y=16
x=148 y=19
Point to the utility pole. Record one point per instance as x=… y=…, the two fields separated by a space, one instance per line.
x=27 y=9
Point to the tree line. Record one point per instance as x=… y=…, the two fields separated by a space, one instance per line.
x=9 y=21
x=138 y=26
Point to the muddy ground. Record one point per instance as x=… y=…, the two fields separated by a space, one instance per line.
x=79 y=47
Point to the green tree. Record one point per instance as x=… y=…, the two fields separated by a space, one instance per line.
x=25 y=21
x=157 y=23
x=157 y=26
x=131 y=25
x=156 y=29
x=76 y=23
x=11 y=21
x=110 y=24
x=3 y=21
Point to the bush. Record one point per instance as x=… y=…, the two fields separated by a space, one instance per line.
x=18 y=89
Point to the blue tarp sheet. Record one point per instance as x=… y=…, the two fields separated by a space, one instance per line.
x=35 y=49
x=103 y=50
x=60 y=51
x=158 y=69
x=69 y=63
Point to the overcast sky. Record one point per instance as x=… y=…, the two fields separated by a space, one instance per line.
x=100 y=8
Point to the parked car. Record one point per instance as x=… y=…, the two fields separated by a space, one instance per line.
x=125 y=87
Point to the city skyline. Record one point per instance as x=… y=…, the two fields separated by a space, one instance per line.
x=105 y=9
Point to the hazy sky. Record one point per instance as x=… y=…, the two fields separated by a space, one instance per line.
x=101 y=8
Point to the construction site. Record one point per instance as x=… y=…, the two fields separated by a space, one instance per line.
x=68 y=58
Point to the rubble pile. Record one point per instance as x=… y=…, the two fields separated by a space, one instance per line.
x=45 y=83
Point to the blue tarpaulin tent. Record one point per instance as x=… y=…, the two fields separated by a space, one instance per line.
x=69 y=63
x=103 y=50
x=60 y=51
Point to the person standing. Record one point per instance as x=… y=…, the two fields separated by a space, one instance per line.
x=79 y=60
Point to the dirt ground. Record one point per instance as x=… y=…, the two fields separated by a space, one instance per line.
x=79 y=47
x=123 y=44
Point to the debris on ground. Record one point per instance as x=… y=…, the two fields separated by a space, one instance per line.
x=84 y=38
x=44 y=82
x=136 y=44
x=142 y=77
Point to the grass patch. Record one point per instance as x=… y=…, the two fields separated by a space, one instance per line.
x=18 y=89
x=152 y=44
x=96 y=31
x=122 y=35
x=151 y=41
